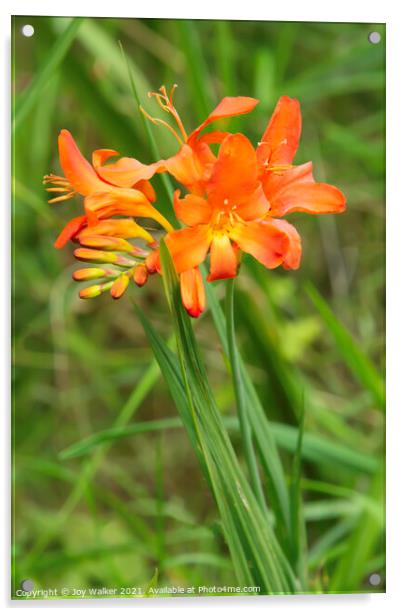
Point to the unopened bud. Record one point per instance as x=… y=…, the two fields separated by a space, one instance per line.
x=96 y=256
x=101 y=256
x=140 y=275
x=152 y=262
x=94 y=290
x=89 y=273
x=119 y=286
x=107 y=243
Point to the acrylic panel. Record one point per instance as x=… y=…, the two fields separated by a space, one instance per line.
x=198 y=308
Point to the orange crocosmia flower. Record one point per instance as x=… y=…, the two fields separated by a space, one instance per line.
x=291 y=188
x=192 y=164
x=106 y=194
x=233 y=215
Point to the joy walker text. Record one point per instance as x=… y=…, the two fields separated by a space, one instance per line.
x=130 y=591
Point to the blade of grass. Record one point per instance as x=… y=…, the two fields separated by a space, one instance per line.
x=318 y=552
x=270 y=460
x=240 y=395
x=359 y=364
x=160 y=529
x=314 y=448
x=323 y=451
x=298 y=541
x=114 y=434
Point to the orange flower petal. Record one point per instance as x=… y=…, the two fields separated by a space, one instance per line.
x=186 y=167
x=125 y=172
x=293 y=254
x=228 y=107
x=76 y=168
x=215 y=136
x=99 y=157
x=254 y=207
x=71 y=229
x=264 y=241
x=146 y=187
x=188 y=247
x=192 y=210
x=235 y=174
x=280 y=141
x=223 y=259
x=311 y=197
x=192 y=292
x=122 y=202
x=276 y=181
x=206 y=157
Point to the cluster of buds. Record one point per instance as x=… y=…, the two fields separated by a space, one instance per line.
x=121 y=261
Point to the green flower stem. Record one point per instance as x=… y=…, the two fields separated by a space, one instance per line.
x=245 y=428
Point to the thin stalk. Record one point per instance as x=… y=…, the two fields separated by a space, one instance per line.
x=245 y=428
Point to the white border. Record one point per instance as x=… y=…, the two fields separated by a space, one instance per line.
x=291 y=10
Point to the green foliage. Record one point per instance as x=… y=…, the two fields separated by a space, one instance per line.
x=255 y=552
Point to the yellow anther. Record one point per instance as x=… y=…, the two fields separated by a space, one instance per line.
x=60 y=185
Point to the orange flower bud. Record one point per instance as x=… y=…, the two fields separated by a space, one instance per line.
x=89 y=273
x=119 y=286
x=94 y=290
x=140 y=275
x=152 y=262
x=101 y=256
x=107 y=243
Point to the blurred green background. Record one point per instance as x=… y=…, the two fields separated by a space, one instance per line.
x=114 y=515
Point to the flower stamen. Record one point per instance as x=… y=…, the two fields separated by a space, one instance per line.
x=162 y=122
x=165 y=102
x=60 y=185
x=276 y=169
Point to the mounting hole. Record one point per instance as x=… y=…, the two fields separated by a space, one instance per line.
x=374 y=579
x=28 y=30
x=374 y=38
x=27 y=585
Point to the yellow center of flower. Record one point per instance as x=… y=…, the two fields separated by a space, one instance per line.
x=224 y=219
